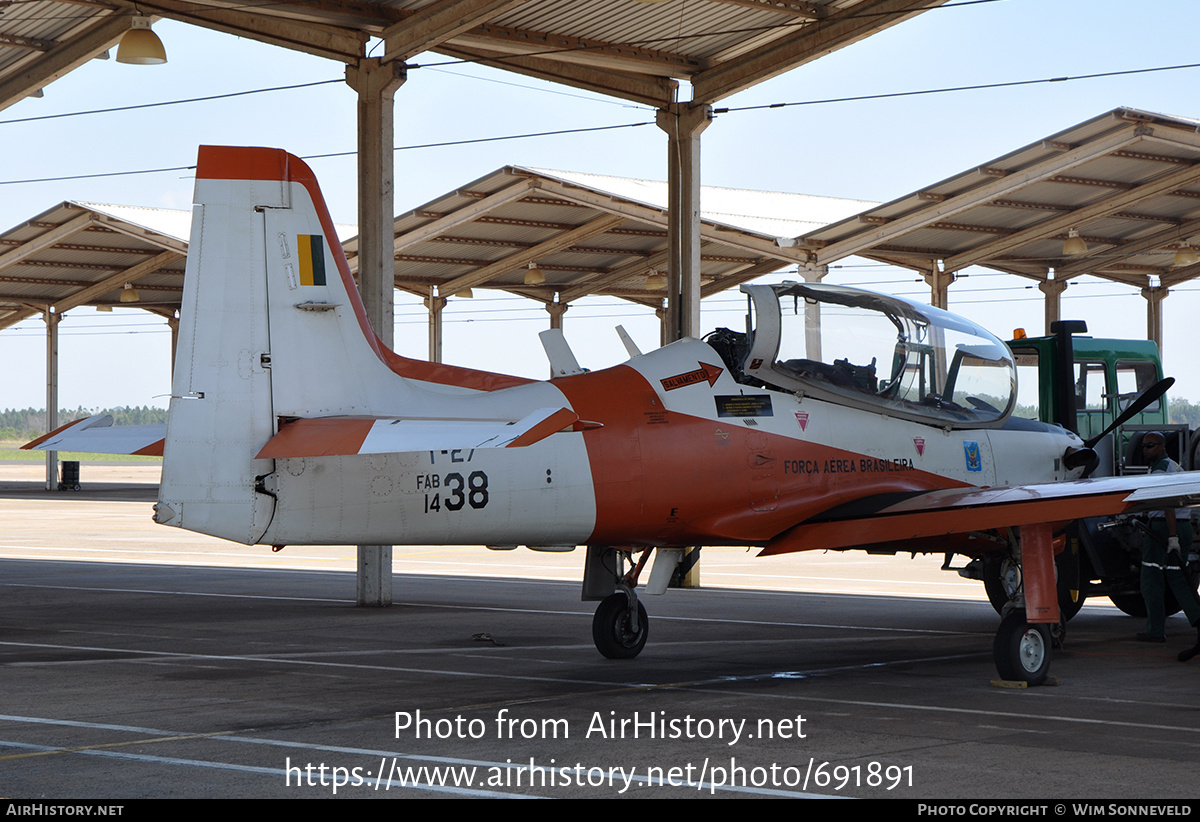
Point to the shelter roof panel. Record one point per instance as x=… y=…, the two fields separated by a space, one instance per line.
x=607 y=237
x=29 y=30
x=709 y=29
x=83 y=253
x=620 y=47
x=1124 y=180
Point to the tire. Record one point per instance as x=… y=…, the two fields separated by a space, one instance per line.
x=1068 y=568
x=996 y=585
x=1021 y=650
x=611 y=632
x=994 y=582
x=1131 y=604
x=1135 y=606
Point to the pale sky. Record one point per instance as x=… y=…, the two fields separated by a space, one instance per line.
x=870 y=150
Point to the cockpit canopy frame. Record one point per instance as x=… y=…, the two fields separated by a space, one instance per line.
x=879 y=353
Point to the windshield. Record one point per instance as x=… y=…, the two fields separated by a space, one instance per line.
x=872 y=350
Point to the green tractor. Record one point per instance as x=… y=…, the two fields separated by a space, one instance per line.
x=1085 y=384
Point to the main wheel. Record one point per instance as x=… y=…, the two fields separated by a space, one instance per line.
x=612 y=631
x=1021 y=650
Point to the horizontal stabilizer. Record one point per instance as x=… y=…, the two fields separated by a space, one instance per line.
x=98 y=435
x=558 y=351
x=344 y=436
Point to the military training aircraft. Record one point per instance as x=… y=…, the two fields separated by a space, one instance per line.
x=839 y=419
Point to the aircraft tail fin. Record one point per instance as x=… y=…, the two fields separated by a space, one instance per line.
x=271 y=329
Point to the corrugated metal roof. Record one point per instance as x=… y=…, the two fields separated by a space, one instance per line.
x=591 y=233
x=1128 y=181
x=83 y=254
x=625 y=48
x=769 y=213
x=485 y=232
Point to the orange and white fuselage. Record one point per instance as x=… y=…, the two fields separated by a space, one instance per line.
x=291 y=424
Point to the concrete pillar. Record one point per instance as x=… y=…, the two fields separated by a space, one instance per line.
x=939 y=286
x=435 y=305
x=52 y=319
x=683 y=124
x=812 y=314
x=557 y=310
x=1154 y=295
x=376 y=82
x=664 y=329
x=173 y=324
x=1053 y=290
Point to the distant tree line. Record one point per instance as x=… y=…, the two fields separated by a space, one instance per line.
x=1182 y=411
x=29 y=423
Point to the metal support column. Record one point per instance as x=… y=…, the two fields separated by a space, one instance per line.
x=1053 y=290
x=435 y=305
x=1154 y=295
x=52 y=319
x=173 y=324
x=683 y=123
x=376 y=82
x=939 y=287
x=557 y=310
x=812 y=313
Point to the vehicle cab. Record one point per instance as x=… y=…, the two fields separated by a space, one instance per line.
x=1085 y=383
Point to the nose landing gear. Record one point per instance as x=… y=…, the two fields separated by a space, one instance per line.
x=620 y=625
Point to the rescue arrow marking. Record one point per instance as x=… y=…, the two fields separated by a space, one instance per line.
x=705 y=373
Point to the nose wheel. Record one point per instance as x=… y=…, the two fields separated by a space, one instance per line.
x=619 y=630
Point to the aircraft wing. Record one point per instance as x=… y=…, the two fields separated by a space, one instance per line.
x=932 y=515
x=98 y=435
x=341 y=436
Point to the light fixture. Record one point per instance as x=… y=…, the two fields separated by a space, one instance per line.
x=534 y=275
x=1186 y=255
x=105 y=308
x=1075 y=245
x=141 y=46
x=655 y=281
x=465 y=294
x=129 y=294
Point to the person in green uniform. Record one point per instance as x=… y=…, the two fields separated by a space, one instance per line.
x=1162 y=555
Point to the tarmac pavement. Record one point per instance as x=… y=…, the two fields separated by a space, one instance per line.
x=140 y=661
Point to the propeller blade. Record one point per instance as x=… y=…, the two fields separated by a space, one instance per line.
x=1148 y=396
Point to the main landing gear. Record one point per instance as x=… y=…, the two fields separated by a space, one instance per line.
x=1021 y=649
x=620 y=625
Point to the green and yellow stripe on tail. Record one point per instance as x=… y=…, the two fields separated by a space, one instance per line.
x=311 y=248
